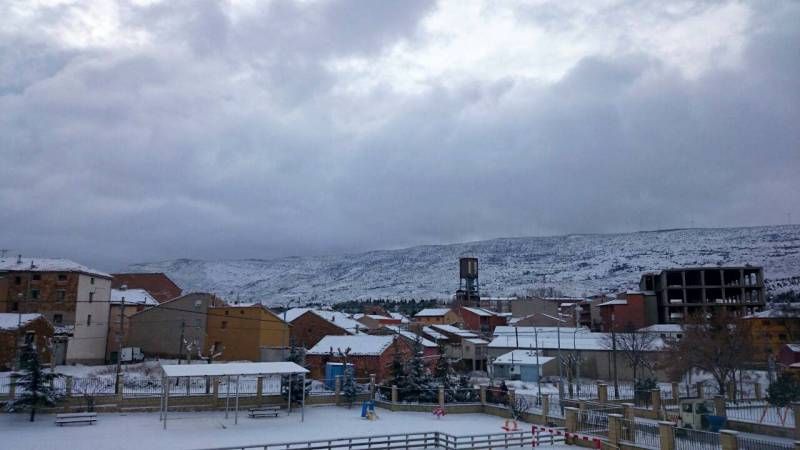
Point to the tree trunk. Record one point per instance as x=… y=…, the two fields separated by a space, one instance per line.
x=33 y=413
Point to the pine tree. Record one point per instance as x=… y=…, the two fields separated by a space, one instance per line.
x=443 y=374
x=398 y=369
x=783 y=391
x=297 y=355
x=34 y=384
x=349 y=388
x=417 y=384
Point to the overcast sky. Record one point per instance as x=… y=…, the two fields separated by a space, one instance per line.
x=145 y=130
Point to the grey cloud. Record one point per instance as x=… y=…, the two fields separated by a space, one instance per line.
x=115 y=156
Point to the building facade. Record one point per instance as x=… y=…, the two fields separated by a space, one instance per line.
x=124 y=303
x=368 y=354
x=19 y=330
x=240 y=332
x=436 y=316
x=73 y=297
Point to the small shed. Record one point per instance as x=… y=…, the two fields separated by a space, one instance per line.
x=523 y=365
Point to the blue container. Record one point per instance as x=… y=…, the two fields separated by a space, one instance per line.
x=332 y=370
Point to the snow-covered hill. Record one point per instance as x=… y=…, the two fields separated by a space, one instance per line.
x=575 y=264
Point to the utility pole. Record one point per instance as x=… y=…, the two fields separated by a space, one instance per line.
x=119 y=339
x=614 y=355
x=180 y=342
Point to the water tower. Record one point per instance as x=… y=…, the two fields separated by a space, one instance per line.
x=468 y=293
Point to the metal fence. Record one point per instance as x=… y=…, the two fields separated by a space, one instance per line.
x=687 y=439
x=592 y=421
x=753 y=443
x=643 y=434
x=759 y=411
x=426 y=440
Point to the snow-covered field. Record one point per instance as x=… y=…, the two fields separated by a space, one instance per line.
x=211 y=429
x=574 y=264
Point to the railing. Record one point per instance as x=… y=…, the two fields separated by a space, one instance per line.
x=759 y=411
x=643 y=434
x=432 y=440
x=752 y=443
x=688 y=439
x=593 y=422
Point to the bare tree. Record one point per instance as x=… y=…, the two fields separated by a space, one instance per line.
x=636 y=347
x=718 y=344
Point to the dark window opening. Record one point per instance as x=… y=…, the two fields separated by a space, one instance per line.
x=89 y=320
x=58 y=319
x=36 y=277
x=35 y=294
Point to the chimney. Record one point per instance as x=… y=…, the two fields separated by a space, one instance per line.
x=19 y=259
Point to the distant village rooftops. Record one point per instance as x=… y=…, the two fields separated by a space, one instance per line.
x=339 y=319
x=432 y=312
x=28 y=264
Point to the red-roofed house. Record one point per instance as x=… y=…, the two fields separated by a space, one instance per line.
x=480 y=320
x=158 y=285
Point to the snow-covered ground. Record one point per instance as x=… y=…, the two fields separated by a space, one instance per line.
x=211 y=429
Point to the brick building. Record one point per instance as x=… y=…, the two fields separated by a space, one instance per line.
x=368 y=354
x=309 y=326
x=19 y=330
x=157 y=284
x=241 y=332
x=375 y=321
x=436 y=316
x=480 y=320
x=631 y=311
x=772 y=329
x=73 y=297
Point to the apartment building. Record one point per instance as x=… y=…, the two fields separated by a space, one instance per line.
x=73 y=297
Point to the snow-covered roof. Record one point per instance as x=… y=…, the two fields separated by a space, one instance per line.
x=132 y=297
x=12 y=264
x=339 y=319
x=432 y=312
x=522 y=357
x=794 y=347
x=511 y=330
x=12 y=321
x=412 y=336
x=380 y=317
x=614 y=302
x=238 y=368
x=362 y=344
x=662 y=328
x=477 y=341
x=433 y=333
x=549 y=340
x=401 y=317
x=452 y=329
x=479 y=311
x=790 y=310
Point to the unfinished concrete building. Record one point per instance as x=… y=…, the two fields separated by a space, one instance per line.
x=682 y=292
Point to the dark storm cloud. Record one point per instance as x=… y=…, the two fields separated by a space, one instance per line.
x=232 y=139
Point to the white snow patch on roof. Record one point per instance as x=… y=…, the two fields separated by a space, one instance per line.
x=12 y=321
x=477 y=341
x=399 y=316
x=432 y=312
x=132 y=296
x=522 y=357
x=479 y=311
x=433 y=333
x=239 y=368
x=412 y=336
x=47 y=265
x=662 y=328
x=339 y=319
x=455 y=330
x=614 y=302
x=369 y=345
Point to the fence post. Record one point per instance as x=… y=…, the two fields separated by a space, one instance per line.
x=627 y=411
x=757 y=387
x=571 y=419
x=655 y=402
x=208 y=384
x=796 y=413
x=719 y=405
x=731 y=391
x=512 y=395
x=666 y=435
x=215 y=389
x=12 y=388
x=337 y=389
x=700 y=392
x=120 y=381
x=483 y=394
x=602 y=392
x=68 y=385
x=614 y=429
x=260 y=388
x=727 y=440
x=545 y=407
x=394 y=393
x=676 y=392
x=441 y=396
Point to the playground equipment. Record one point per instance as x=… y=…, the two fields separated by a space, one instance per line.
x=510 y=425
x=439 y=412
x=368 y=410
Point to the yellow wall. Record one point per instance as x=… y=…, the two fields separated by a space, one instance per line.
x=244 y=330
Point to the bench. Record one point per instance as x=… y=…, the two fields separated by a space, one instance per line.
x=87 y=418
x=264 y=411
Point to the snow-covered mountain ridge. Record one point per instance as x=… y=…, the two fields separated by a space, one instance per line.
x=574 y=264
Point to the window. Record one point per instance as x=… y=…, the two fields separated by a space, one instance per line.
x=17 y=280
x=91 y=297
x=15 y=306
x=197 y=323
x=35 y=294
x=61 y=294
x=30 y=336
x=224 y=325
x=226 y=312
x=241 y=311
x=62 y=277
x=36 y=277
x=91 y=280
x=89 y=320
x=678 y=335
x=58 y=319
